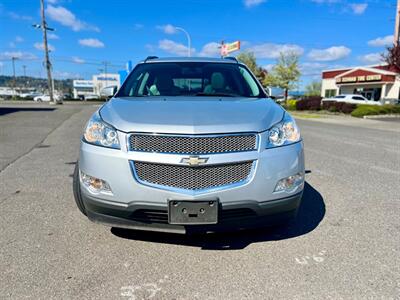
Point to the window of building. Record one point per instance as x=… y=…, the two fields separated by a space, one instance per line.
x=330 y=93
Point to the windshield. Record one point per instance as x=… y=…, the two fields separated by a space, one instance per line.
x=203 y=79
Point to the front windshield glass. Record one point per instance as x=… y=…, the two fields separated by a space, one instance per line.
x=203 y=79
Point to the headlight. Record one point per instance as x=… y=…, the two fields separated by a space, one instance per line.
x=99 y=133
x=284 y=133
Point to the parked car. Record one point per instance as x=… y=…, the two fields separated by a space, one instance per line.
x=29 y=95
x=91 y=97
x=46 y=98
x=352 y=98
x=190 y=145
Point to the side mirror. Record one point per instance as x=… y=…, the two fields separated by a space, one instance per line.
x=108 y=92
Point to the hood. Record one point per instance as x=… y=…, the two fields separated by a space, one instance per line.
x=191 y=115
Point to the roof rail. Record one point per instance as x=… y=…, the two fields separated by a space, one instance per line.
x=231 y=58
x=150 y=57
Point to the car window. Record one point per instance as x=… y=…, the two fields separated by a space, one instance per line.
x=358 y=98
x=340 y=97
x=190 y=79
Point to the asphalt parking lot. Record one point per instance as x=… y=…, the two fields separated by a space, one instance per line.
x=344 y=245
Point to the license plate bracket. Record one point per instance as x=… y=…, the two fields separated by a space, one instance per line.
x=189 y=212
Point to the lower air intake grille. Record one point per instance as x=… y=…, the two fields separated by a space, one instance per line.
x=192 y=178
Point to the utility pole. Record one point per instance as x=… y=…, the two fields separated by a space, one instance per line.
x=397 y=24
x=25 y=81
x=46 y=51
x=14 y=78
x=105 y=71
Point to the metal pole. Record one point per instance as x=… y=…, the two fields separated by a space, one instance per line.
x=397 y=24
x=14 y=78
x=25 y=82
x=46 y=51
x=188 y=38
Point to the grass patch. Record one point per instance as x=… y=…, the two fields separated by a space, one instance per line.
x=305 y=115
x=369 y=110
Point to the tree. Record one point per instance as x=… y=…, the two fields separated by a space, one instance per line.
x=392 y=57
x=249 y=59
x=285 y=73
x=313 y=88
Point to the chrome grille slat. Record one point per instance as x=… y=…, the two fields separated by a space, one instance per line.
x=193 y=144
x=192 y=178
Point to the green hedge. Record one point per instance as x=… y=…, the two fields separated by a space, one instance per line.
x=368 y=110
x=291 y=104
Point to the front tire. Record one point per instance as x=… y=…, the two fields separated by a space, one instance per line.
x=77 y=190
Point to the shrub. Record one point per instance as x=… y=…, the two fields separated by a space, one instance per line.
x=309 y=103
x=368 y=110
x=291 y=104
x=335 y=106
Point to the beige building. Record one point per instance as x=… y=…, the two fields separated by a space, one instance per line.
x=377 y=83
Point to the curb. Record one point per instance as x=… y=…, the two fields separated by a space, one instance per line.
x=381 y=116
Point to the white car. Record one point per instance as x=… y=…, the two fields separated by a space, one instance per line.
x=352 y=98
x=46 y=98
x=29 y=95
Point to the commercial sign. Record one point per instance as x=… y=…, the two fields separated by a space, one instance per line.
x=362 y=78
x=83 y=83
x=230 y=47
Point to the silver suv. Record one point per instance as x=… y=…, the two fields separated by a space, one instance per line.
x=190 y=145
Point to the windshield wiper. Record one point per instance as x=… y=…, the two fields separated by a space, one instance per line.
x=216 y=95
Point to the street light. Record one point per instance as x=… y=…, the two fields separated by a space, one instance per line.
x=188 y=38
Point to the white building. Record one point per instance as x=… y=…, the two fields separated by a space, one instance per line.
x=82 y=88
x=90 y=88
x=373 y=82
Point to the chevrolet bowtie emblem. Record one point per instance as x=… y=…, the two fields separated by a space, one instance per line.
x=194 y=161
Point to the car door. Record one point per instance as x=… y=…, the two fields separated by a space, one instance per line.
x=359 y=100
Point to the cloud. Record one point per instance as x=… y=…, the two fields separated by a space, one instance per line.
x=358 y=8
x=78 y=60
x=372 y=58
x=268 y=67
x=270 y=50
x=381 y=41
x=18 y=54
x=52 y=36
x=52 y=1
x=94 y=43
x=67 y=18
x=18 y=39
x=168 y=29
x=329 y=54
x=174 y=48
x=210 y=49
x=40 y=46
x=252 y=3
x=138 y=26
x=16 y=16
x=312 y=68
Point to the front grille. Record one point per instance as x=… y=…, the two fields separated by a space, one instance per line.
x=193 y=144
x=190 y=178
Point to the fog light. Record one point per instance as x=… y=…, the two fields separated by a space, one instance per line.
x=95 y=185
x=289 y=183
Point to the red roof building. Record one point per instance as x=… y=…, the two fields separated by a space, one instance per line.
x=373 y=82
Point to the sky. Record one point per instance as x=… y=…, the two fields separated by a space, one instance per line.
x=90 y=35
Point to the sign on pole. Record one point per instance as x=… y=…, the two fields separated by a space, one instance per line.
x=230 y=47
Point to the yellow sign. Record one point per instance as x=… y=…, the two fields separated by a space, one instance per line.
x=361 y=78
x=228 y=48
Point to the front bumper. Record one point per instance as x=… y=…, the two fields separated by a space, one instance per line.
x=239 y=215
x=139 y=206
